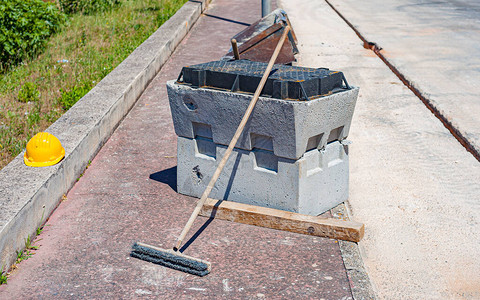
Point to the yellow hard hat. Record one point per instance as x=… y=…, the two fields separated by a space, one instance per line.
x=43 y=150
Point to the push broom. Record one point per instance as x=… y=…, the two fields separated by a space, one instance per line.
x=173 y=258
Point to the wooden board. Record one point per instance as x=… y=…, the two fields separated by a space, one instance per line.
x=283 y=220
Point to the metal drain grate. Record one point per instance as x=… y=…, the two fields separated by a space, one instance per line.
x=284 y=82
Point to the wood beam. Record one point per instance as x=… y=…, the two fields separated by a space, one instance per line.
x=283 y=220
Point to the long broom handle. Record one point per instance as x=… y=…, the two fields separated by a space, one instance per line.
x=233 y=142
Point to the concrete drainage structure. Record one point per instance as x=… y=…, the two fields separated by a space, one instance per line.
x=292 y=154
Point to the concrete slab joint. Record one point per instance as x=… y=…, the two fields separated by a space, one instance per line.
x=29 y=195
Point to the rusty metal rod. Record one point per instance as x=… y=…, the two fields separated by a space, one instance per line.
x=235 y=49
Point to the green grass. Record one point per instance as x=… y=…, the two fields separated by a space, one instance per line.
x=29 y=245
x=23 y=255
x=36 y=93
x=39 y=230
x=27 y=252
x=3 y=277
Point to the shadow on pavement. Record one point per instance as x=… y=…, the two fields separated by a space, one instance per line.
x=201 y=229
x=167 y=176
x=228 y=20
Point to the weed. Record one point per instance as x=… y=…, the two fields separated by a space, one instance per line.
x=3 y=277
x=23 y=255
x=29 y=245
x=26 y=253
x=69 y=98
x=40 y=228
x=20 y=256
x=81 y=175
x=28 y=93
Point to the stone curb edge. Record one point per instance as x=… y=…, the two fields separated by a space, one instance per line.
x=29 y=195
x=360 y=283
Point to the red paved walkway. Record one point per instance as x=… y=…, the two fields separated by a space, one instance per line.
x=128 y=194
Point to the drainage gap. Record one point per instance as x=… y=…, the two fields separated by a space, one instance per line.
x=376 y=49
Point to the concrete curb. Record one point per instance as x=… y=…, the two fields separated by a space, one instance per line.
x=360 y=283
x=29 y=195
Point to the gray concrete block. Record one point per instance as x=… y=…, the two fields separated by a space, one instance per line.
x=288 y=128
x=313 y=184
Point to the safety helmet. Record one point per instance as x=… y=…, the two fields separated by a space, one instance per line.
x=43 y=150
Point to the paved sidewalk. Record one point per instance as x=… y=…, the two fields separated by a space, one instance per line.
x=413 y=185
x=128 y=194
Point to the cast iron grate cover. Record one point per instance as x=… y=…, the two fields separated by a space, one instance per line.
x=284 y=82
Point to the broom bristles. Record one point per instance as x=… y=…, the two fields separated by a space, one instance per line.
x=171 y=259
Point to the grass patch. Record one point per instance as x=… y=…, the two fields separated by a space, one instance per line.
x=3 y=276
x=37 y=92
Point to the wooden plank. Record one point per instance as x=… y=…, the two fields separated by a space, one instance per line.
x=283 y=220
